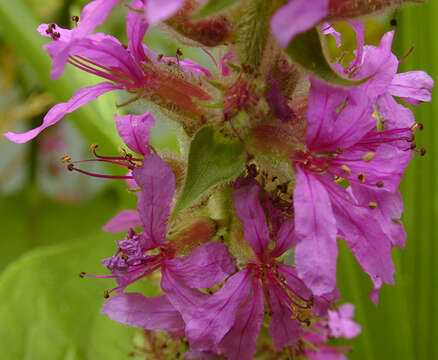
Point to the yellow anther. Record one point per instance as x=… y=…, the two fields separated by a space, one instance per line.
x=346 y=169
x=372 y=205
x=368 y=156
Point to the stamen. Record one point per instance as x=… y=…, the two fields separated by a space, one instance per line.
x=361 y=177
x=66 y=159
x=372 y=205
x=71 y=167
x=407 y=54
x=369 y=156
x=380 y=184
x=346 y=169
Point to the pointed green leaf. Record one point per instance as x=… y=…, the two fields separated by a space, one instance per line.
x=213 y=160
x=48 y=312
x=306 y=50
x=213 y=7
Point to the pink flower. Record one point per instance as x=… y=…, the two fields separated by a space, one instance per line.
x=229 y=322
x=206 y=266
x=343 y=143
x=106 y=57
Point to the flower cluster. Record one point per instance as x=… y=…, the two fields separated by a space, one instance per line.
x=278 y=161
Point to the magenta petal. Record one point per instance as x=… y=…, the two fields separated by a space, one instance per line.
x=123 y=221
x=94 y=14
x=327 y=29
x=379 y=63
x=328 y=128
x=136 y=310
x=296 y=17
x=413 y=87
x=317 y=251
x=199 y=355
x=136 y=28
x=81 y=97
x=186 y=300
x=157 y=10
x=389 y=211
x=250 y=212
x=240 y=343
x=286 y=238
x=134 y=131
x=218 y=314
x=207 y=265
x=360 y=228
x=284 y=329
x=157 y=183
x=359 y=29
x=394 y=114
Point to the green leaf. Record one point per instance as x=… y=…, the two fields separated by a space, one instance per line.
x=213 y=160
x=306 y=50
x=214 y=6
x=48 y=312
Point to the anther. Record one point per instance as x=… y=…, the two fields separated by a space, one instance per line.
x=361 y=177
x=82 y=274
x=56 y=35
x=423 y=151
x=70 y=167
x=106 y=294
x=372 y=205
x=368 y=156
x=380 y=184
x=346 y=169
x=417 y=126
x=93 y=147
x=66 y=159
x=340 y=150
x=75 y=19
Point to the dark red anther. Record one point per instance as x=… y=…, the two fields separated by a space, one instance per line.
x=380 y=184
x=75 y=19
x=82 y=274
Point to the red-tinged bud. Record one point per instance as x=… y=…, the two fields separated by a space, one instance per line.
x=212 y=32
x=354 y=8
x=191 y=234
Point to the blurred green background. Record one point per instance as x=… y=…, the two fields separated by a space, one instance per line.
x=51 y=219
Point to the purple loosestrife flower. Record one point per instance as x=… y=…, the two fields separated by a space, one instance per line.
x=229 y=322
x=342 y=142
x=338 y=323
x=380 y=64
x=142 y=254
x=135 y=69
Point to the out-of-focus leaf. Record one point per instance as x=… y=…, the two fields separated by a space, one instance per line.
x=418 y=27
x=48 y=312
x=212 y=160
x=20 y=32
x=306 y=51
x=31 y=220
x=213 y=7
